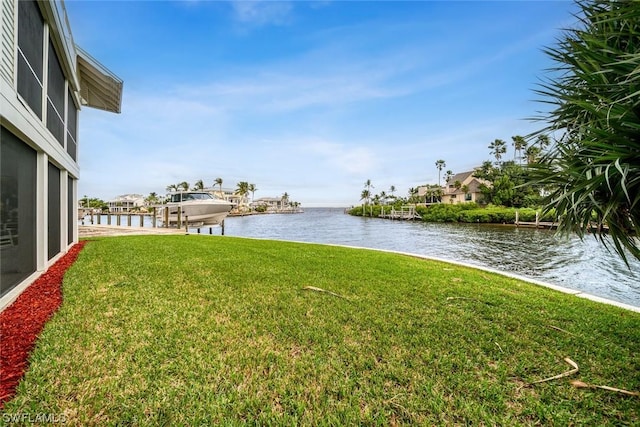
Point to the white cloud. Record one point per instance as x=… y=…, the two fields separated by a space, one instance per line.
x=262 y=12
x=352 y=160
x=313 y=124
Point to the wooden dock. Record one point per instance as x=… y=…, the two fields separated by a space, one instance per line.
x=406 y=213
x=536 y=224
x=182 y=225
x=539 y=224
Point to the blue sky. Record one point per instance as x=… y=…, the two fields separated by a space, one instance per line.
x=311 y=98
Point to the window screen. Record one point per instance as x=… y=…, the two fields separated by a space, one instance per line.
x=55 y=96
x=72 y=211
x=53 y=229
x=30 y=56
x=72 y=123
x=17 y=211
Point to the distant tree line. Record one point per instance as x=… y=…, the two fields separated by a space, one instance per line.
x=590 y=174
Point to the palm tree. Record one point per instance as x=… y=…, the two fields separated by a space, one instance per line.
x=413 y=193
x=447 y=176
x=440 y=164
x=368 y=185
x=498 y=147
x=392 y=190
x=184 y=186
x=252 y=188
x=218 y=182
x=432 y=191
x=485 y=170
x=531 y=153
x=594 y=166
x=242 y=190
x=543 y=141
x=365 y=197
x=285 y=199
x=152 y=199
x=383 y=197
x=519 y=144
x=465 y=190
x=172 y=187
x=199 y=185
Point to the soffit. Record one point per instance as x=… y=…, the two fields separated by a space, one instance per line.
x=99 y=87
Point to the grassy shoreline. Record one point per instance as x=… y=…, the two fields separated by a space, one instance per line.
x=464 y=212
x=179 y=330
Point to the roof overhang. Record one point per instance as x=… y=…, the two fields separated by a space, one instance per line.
x=99 y=87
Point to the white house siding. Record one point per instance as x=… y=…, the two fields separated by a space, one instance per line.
x=125 y=203
x=7 y=40
x=38 y=111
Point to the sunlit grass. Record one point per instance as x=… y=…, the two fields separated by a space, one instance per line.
x=202 y=330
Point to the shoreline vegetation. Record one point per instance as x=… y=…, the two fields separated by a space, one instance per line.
x=463 y=212
x=185 y=330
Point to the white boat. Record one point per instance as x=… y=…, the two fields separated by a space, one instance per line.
x=197 y=207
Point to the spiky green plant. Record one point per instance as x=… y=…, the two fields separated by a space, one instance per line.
x=593 y=168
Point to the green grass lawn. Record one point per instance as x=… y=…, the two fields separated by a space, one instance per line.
x=202 y=330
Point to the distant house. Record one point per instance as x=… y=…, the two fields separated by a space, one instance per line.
x=126 y=203
x=228 y=194
x=224 y=193
x=44 y=80
x=430 y=194
x=463 y=188
x=271 y=204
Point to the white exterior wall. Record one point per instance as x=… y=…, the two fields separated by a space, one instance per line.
x=7 y=39
x=20 y=120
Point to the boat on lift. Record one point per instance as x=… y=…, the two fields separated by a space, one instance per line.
x=198 y=207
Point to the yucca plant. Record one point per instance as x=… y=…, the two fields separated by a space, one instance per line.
x=593 y=168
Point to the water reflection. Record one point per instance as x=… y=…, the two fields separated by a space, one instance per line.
x=540 y=254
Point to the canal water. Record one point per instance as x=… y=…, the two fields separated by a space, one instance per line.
x=539 y=254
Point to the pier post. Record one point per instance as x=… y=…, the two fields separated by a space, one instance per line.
x=186 y=224
x=118 y=219
x=165 y=213
x=98 y=218
x=537 y=218
x=109 y=218
x=141 y=220
x=179 y=219
x=128 y=220
x=222 y=225
x=154 y=219
x=517 y=218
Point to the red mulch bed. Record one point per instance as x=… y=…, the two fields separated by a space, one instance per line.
x=22 y=321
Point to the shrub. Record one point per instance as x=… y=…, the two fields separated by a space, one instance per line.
x=442 y=213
